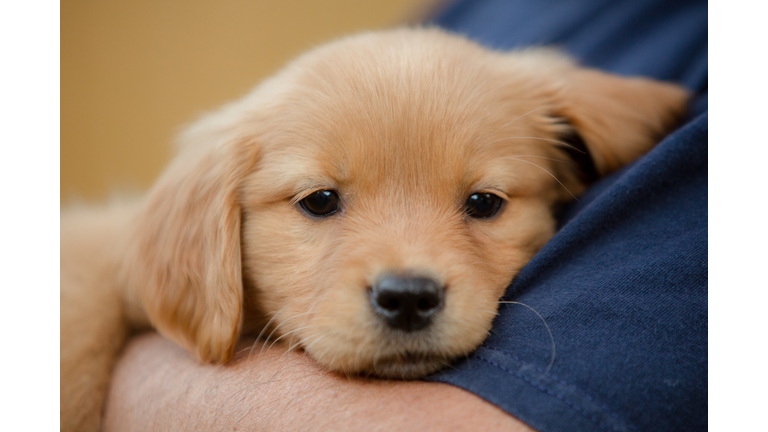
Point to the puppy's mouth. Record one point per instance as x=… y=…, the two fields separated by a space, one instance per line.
x=408 y=365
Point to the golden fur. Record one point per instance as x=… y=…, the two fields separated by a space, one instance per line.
x=404 y=125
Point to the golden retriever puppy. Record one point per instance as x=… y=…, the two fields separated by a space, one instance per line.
x=369 y=204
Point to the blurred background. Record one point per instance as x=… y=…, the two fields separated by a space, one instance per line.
x=134 y=73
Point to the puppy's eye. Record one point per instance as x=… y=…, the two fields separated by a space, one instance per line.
x=321 y=203
x=483 y=205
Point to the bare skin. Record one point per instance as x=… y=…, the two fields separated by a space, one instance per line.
x=157 y=386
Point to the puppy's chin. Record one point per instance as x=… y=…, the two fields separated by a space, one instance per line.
x=408 y=365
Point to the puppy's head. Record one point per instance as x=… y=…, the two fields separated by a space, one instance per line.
x=379 y=194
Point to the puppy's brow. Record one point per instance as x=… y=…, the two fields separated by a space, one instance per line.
x=307 y=188
x=497 y=190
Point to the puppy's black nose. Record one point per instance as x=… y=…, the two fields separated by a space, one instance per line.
x=406 y=303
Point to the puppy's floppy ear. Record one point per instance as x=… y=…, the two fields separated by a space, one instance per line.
x=618 y=119
x=184 y=261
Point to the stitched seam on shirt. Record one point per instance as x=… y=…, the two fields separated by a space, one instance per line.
x=563 y=382
x=548 y=391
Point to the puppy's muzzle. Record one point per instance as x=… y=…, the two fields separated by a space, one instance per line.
x=406 y=303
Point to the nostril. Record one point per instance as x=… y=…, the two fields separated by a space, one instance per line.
x=389 y=303
x=425 y=304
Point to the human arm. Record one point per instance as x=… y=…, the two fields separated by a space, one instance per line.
x=157 y=386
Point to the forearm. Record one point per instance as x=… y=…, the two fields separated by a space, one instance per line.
x=158 y=386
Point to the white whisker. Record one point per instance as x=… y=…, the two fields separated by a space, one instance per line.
x=518 y=118
x=314 y=342
x=311 y=310
x=543 y=157
x=551 y=337
x=266 y=327
x=552 y=175
x=290 y=347
x=286 y=334
x=270 y=336
x=563 y=143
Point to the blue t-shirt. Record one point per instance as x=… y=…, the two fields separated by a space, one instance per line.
x=623 y=284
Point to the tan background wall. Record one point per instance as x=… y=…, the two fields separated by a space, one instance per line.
x=134 y=72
